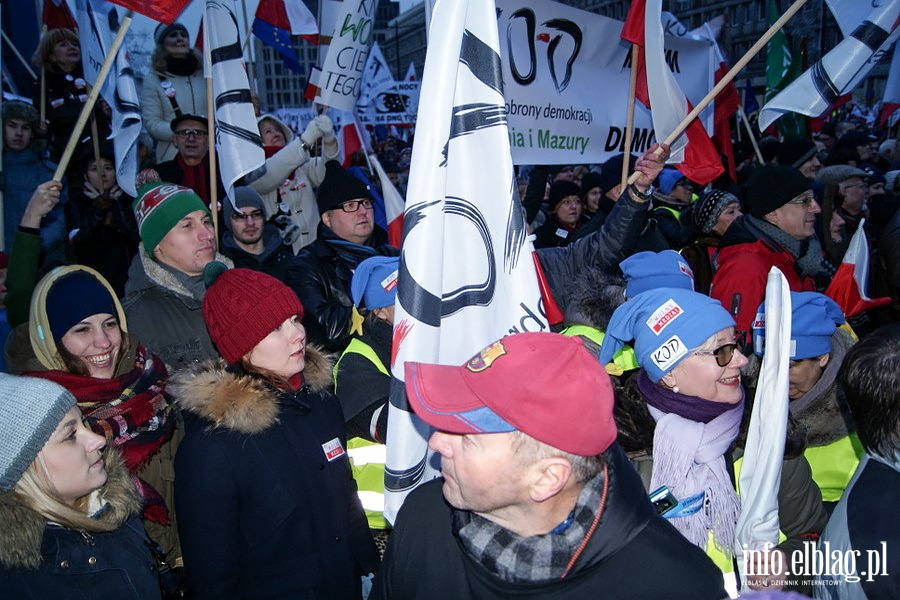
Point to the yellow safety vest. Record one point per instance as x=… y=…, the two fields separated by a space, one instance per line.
x=367 y=459
x=834 y=464
x=623 y=360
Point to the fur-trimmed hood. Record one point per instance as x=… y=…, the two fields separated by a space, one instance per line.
x=241 y=402
x=22 y=529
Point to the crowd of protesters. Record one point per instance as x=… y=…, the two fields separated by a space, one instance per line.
x=214 y=408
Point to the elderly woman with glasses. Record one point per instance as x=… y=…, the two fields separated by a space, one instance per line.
x=680 y=416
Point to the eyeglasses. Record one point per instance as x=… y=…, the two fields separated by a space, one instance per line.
x=723 y=354
x=186 y=133
x=860 y=185
x=805 y=200
x=239 y=216
x=351 y=206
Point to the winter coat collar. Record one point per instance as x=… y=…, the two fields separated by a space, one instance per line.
x=22 y=529
x=240 y=402
x=146 y=273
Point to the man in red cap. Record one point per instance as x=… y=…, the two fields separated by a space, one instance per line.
x=536 y=497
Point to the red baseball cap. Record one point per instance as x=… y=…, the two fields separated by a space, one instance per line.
x=545 y=385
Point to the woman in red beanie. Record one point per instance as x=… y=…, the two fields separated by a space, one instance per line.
x=267 y=505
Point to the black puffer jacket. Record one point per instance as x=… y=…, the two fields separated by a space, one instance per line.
x=321 y=279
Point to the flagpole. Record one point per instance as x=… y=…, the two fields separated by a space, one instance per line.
x=211 y=136
x=752 y=137
x=43 y=84
x=732 y=73
x=18 y=55
x=629 y=119
x=249 y=63
x=88 y=107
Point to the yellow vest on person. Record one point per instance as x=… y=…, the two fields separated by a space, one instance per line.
x=367 y=459
x=623 y=360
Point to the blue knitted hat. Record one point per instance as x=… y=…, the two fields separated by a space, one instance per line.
x=74 y=297
x=666 y=325
x=667 y=180
x=814 y=318
x=374 y=283
x=650 y=270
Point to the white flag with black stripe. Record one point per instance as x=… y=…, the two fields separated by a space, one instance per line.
x=840 y=70
x=98 y=23
x=238 y=144
x=467 y=277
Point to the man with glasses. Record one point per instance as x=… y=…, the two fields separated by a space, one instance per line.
x=778 y=231
x=322 y=271
x=190 y=167
x=249 y=240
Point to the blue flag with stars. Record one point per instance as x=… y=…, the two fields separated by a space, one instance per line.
x=280 y=40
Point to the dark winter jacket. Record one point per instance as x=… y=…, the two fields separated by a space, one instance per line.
x=65 y=95
x=40 y=560
x=702 y=257
x=274 y=260
x=321 y=279
x=602 y=250
x=361 y=387
x=633 y=553
x=865 y=523
x=164 y=315
x=266 y=503
x=552 y=234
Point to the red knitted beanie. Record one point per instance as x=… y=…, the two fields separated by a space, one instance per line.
x=242 y=307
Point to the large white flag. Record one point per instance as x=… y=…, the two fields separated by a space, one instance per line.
x=757 y=526
x=840 y=70
x=98 y=22
x=467 y=276
x=238 y=145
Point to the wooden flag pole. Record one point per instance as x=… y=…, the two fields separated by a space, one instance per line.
x=249 y=60
x=92 y=97
x=732 y=73
x=752 y=137
x=18 y=54
x=629 y=120
x=43 y=108
x=211 y=135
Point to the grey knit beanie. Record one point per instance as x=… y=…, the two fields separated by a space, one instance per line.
x=30 y=410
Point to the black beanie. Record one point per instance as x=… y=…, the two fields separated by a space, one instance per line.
x=794 y=151
x=772 y=186
x=591 y=180
x=338 y=187
x=562 y=189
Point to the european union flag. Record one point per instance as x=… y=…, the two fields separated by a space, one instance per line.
x=280 y=40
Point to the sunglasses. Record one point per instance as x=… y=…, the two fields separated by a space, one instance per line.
x=723 y=353
x=186 y=133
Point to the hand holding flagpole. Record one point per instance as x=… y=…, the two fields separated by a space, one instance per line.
x=88 y=107
x=732 y=73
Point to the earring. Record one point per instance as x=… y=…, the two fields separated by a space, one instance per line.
x=676 y=390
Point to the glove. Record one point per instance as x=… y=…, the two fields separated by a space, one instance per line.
x=325 y=126
x=311 y=134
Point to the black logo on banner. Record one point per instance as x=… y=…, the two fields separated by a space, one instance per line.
x=563 y=27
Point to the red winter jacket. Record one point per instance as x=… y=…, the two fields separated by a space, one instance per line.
x=740 y=282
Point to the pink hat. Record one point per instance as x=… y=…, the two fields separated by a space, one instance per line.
x=545 y=385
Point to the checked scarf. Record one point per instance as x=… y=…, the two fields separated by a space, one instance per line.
x=132 y=412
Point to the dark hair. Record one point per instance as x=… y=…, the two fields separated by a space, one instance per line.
x=870 y=377
x=76 y=366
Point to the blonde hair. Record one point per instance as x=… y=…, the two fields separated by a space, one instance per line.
x=35 y=491
x=42 y=55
